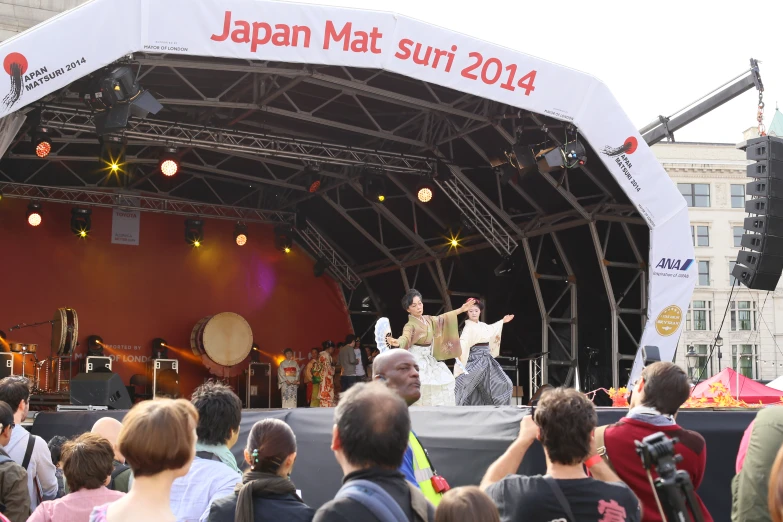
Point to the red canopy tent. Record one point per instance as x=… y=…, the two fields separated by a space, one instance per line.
x=750 y=391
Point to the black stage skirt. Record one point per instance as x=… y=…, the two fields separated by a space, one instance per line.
x=484 y=383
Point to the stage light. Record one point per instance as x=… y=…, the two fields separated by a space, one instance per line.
x=94 y=346
x=284 y=238
x=524 y=159
x=169 y=162
x=34 y=214
x=112 y=155
x=160 y=348
x=81 y=221
x=115 y=95
x=240 y=234
x=312 y=178
x=506 y=267
x=320 y=267
x=374 y=187
x=194 y=232
x=454 y=243
x=424 y=191
x=42 y=142
x=570 y=155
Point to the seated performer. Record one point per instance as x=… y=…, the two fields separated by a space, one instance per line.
x=430 y=340
x=480 y=379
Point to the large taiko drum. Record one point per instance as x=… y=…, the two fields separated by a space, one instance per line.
x=65 y=331
x=223 y=342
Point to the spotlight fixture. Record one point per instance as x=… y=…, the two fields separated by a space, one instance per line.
x=34 y=214
x=374 y=187
x=312 y=178
x=169 y=162
x=255 y=353
x=284 y=238
x=94 y=346
x=81 y=221
x=240 y=234
x=454 y=242
x=112 y=156
x=320 y=267
x=505 y=268
x=42 y=142
x=523 y=159
x=115 y=95
x=425 y=191
x=160 y=349
x=569 y=156
x=194 y=232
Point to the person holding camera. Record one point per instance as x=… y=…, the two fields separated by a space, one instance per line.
x=563 y=422
x=655 y=398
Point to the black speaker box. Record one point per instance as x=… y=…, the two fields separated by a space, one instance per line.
x=772 y=226
x=766 y=206
x=769 y=187
x=766 y=148
x=100 y=389
x=765 y=169
x=754 y=279
x=760 y=262
x=768 y=245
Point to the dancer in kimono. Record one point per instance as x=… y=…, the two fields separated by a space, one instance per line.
x=431 y=340
x=312 y=377
x=326 y=388
x=288 y=379
x=480 y=379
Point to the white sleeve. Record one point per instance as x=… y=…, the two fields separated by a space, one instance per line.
x=221 y=490
x=44 y=469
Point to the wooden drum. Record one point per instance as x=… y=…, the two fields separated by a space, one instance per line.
x=23 y=348
x=223 y=342
x=65 y=331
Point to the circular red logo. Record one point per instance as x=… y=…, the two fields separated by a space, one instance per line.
x=16 y=58
x=630 y=145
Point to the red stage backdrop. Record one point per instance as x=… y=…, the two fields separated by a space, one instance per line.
x=130 y=295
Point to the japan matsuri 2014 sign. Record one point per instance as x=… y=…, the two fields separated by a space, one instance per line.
x=90 y=37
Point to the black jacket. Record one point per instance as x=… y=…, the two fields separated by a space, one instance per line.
x=271 y=508
x=410 y=499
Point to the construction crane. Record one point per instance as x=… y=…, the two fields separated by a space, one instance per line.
x=665 y=127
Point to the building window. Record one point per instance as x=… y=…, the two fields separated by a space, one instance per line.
x=700 y=234
x=704 y=273
x=738 y=196
x=748 y=362
x=738 y=231
x=743 y=315
x=732 y=279
x=695 y=194
x=695 y=373
x=699 y=316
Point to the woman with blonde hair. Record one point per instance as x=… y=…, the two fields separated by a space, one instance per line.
x=466 y=504
x=158 y=441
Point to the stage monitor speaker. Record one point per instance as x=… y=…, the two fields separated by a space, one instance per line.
x=100 y=389
x=6 y=364
x=764 y=148
x=767 y=245
x=756 y=280
x=766 y=206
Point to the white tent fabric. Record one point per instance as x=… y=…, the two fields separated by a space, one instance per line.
x=67 y=47
x=777 y=383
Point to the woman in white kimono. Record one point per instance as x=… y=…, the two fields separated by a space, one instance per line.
x=288 y=379
x=480 y=379
x=431 y=340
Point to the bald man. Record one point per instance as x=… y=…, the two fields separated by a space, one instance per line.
x=398 y=369
x=109 y=428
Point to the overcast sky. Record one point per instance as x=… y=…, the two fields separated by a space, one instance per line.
x=656 y=57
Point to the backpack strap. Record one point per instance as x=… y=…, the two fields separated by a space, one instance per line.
x=560 y=497
x=118 y=469
x=28 y=454
x=422 y=508
x=600 y=445
x=207 y=455
x=4 y=459
x=374 y=498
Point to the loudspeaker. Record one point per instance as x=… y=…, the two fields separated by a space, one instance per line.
x=764 y=225
x=765 y=169
x=764 y=148
x=760 y=263
x=756 y=280
x=767 y=245
x=766 y=206
x=6 y=364
x=100 y=389
x=769 y=187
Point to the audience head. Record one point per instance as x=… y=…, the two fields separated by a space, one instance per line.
x=775 y=493
x=663 y=386
x=87 y=462
x=371 y=428
x=289 y=354
x=15 y=391
x=159 y=436
x=566 y=419
x=109 y=428
x=271 y=447
x=466 y=504
x=412 y=302
x=351 y=339
x=399 y=371
x=6 y=423
x=219 y=413
x=56 y=449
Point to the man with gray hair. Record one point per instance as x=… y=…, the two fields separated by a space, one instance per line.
x=369 y=439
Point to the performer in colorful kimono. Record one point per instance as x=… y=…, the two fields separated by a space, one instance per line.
x=312 y=377
x=431 y=340
x=326 y=389
x=480 y=379
x=288 y=379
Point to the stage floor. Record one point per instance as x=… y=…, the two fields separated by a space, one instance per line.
x=462 y=443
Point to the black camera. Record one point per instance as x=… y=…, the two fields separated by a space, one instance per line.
x=673 y=488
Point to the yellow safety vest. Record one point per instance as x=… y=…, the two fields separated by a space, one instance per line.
x=423 y=471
